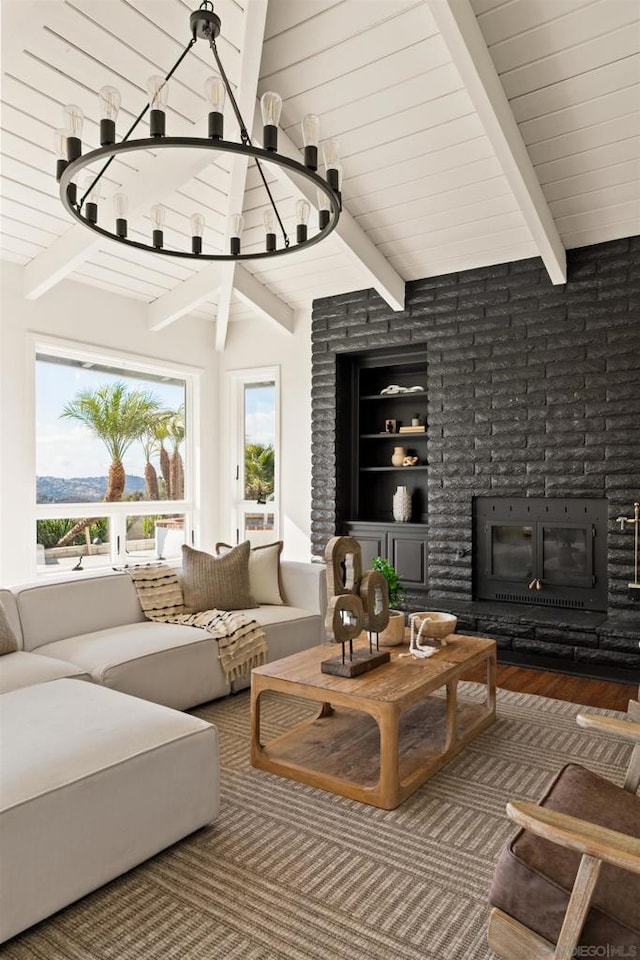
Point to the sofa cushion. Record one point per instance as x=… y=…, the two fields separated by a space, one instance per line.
x=167 y=663
x=54 y=611
x=94 y=782
x=265 y=580
x=216 y=583
x=534 y=877
x=22 y=669
x=8 y=639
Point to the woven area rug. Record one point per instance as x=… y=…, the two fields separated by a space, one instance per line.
x=288 y=872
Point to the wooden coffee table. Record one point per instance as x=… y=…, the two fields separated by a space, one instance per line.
x=379 y=736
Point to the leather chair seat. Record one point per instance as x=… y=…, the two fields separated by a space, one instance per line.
x=534 y=877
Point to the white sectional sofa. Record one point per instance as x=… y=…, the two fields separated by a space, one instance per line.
x=93 y=628
x=96 y=780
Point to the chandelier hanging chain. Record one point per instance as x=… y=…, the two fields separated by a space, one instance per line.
x=244 y=134
x=82 y=202
x=135 y=123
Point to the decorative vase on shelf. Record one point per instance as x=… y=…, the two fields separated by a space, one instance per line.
x=399 y=453
x=402 y=505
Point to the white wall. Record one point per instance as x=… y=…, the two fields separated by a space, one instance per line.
x=259 y=343
x=76 y=311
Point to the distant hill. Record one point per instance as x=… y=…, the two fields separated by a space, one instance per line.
x=80 y=489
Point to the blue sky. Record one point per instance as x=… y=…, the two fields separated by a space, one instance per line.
x=66 y=448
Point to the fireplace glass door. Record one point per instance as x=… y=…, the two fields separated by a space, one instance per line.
x=511 y=551
x=567 y=557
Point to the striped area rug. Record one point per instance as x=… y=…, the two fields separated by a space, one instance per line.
x=288 y=872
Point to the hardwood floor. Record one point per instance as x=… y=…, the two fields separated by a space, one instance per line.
x=591 y=693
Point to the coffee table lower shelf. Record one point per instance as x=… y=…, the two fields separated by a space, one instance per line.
x=340 y=750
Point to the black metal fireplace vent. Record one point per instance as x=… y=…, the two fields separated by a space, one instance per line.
x=542 y=601
x=541 y=550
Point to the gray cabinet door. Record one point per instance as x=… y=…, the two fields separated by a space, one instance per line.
x=372 y=540
x=408 y=554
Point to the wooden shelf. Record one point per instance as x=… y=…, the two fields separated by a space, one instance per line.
x=396 y=396
x=393 y=436
x=422 y=466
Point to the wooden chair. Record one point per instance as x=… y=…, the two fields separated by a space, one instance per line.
x=585 y=847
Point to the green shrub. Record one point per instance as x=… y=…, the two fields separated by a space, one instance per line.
x=396 y=590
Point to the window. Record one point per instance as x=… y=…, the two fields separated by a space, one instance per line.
x=114 y=459
x=256 y=499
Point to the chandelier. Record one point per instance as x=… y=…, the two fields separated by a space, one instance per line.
x=83 y=202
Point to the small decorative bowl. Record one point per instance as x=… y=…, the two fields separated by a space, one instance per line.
x=435 y=626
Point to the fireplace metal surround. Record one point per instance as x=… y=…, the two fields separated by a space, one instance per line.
x=541 y=550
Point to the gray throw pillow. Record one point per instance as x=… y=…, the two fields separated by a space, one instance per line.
x=216 y=583
x=8 y=641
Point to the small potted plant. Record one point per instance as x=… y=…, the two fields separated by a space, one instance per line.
x=393 y=634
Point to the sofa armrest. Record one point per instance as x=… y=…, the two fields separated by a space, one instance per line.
x=304 y=585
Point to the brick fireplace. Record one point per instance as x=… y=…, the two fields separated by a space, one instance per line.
x=533 y=392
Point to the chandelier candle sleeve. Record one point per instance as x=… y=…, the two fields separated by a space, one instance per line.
x=269 y=230
x=237 y=223
x=158 y=95
x=215 y=93
x=93 y=191
x=324 y=210
x=197 y=231
x=310 y=138
x=302 y=219
x=110 y=104
x=74 y=120
x=120 y=208
x=271 y=106
x=157 y=217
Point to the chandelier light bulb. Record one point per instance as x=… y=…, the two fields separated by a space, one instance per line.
x=93 y=192
x=158 y=91
x=235 y=227
x=269 y=230
x=110 y=100
x=109 y=104
x=60 y=147
x=74 y=118
x=73 y=122
x=157 y=216
x=324 y=209
x=121 y=208
x=310 y=138
x=197 y=230
x=302 y=219
x=215 y=92
x=331 y=153
x=271 y=106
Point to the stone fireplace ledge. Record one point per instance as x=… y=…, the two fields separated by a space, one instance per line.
x=574 y=641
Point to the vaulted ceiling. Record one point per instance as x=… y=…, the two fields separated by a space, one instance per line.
x=471 y=133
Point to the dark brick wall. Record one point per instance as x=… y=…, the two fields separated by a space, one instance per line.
x=533 y=390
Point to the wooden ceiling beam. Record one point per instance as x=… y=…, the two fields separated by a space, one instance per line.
x=461 y=33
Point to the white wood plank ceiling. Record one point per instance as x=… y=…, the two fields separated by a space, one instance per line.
x=443 y=163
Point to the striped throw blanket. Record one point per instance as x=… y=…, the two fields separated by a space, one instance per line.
x=241 y=642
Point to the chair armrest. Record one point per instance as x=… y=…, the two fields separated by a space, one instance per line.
x=582 y=836
x=626 y=729
x=304 y=585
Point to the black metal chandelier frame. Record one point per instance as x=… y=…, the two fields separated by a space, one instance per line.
x=204 y=24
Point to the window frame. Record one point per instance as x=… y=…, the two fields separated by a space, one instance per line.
x=238 y=380
x=116 y=512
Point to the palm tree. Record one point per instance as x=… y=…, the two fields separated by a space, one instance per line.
x=118 y=418
x=149 y=444
x=176 y=473
x=259 y=460
x=161 y=432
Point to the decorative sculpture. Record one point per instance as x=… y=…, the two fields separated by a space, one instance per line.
x=356 y=602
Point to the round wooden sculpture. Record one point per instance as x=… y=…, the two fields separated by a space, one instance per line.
x=336 y=627
x=344 y=566
x=374 y=593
